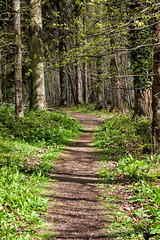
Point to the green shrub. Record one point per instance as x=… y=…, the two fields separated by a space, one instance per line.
x=127 y=161
x=28 y=148
x=121 y=135
x=47 y=128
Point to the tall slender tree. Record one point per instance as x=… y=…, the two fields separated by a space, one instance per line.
x=78 y=77
x=100 y=84
x=156 y=83
x=85 y=72
x=0 y=77
x=37 y=96
x=117 y=98
x=18 y=60
x=141 y=56
x=61 y=35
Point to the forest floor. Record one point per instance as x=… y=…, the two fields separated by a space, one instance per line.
x=76 y=208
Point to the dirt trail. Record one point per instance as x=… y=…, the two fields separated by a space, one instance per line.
x=75 y=210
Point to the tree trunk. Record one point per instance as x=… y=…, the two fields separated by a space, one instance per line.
x=37 y=97
x=117 y=97
x=139 y=59
x=78 y=74
x=0 y=78
x=100 y=85
x=85 y=75
x=117 y=100
x=79 y=95
x=18 y=61
x=156 y=85
x=63 y=100
x=72 y=87
x=140 y=102
x=128 y=81
x=85 y=82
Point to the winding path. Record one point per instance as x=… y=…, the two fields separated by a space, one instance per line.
x=75 y=209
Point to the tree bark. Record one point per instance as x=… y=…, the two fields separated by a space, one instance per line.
x=79 y=95
x=85 y=73
x=0 y=77
x=138 y=56
x=63 y=100
x=117 y=97
x=78 y=77
x=156 y=85
x=37 y=97
x=140 y=102
x=72 y=87
x=18 y=61
x=85 y=82
x=100 y=85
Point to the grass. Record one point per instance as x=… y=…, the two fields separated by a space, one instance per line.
x=21 y=204
x=83 y=107
x=131 y=172
x=28 y=148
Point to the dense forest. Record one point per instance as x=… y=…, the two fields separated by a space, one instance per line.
x=70 y=52
x=92 y=56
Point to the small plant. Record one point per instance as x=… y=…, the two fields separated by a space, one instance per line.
x=20 y=203
x=127 y=161
x=28 y=148
x=83 y=107
x=39 y=127
x=119 y=135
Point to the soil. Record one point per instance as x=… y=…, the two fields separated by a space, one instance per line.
x=75 y=208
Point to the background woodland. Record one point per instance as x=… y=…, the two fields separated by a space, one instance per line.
x=72 y=52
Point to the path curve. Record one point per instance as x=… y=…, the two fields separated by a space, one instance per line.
x=75 y=210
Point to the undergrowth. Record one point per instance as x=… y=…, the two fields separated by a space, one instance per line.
x=28 y=148
x=83 y=107
x=132 y=171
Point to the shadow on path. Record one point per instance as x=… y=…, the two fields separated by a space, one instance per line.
x=75 y=210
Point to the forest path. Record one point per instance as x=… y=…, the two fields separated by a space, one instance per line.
x=75 y=210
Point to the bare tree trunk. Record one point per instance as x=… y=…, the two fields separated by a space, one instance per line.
x=156 y=85
x=85 y=82
x=128 y=81
x=37 y=98
x=140 y=102
x=119 y=84
x=18 y=61
x=79 y=95
x=85 y=73
x=63 y=100
x=91 y=83
x=117 y=97
x=0 y=77
x=100 y=85
x=140 y=84
x=72 y=87
x=78 y=74
x=60 y=5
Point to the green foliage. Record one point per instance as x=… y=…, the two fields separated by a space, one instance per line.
x=41 y=127
x=20 y=203
x=127 y=161
x=28 y=148
x=83 y=107
x=120 y=135
x=147 y=197
x=26 y=157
